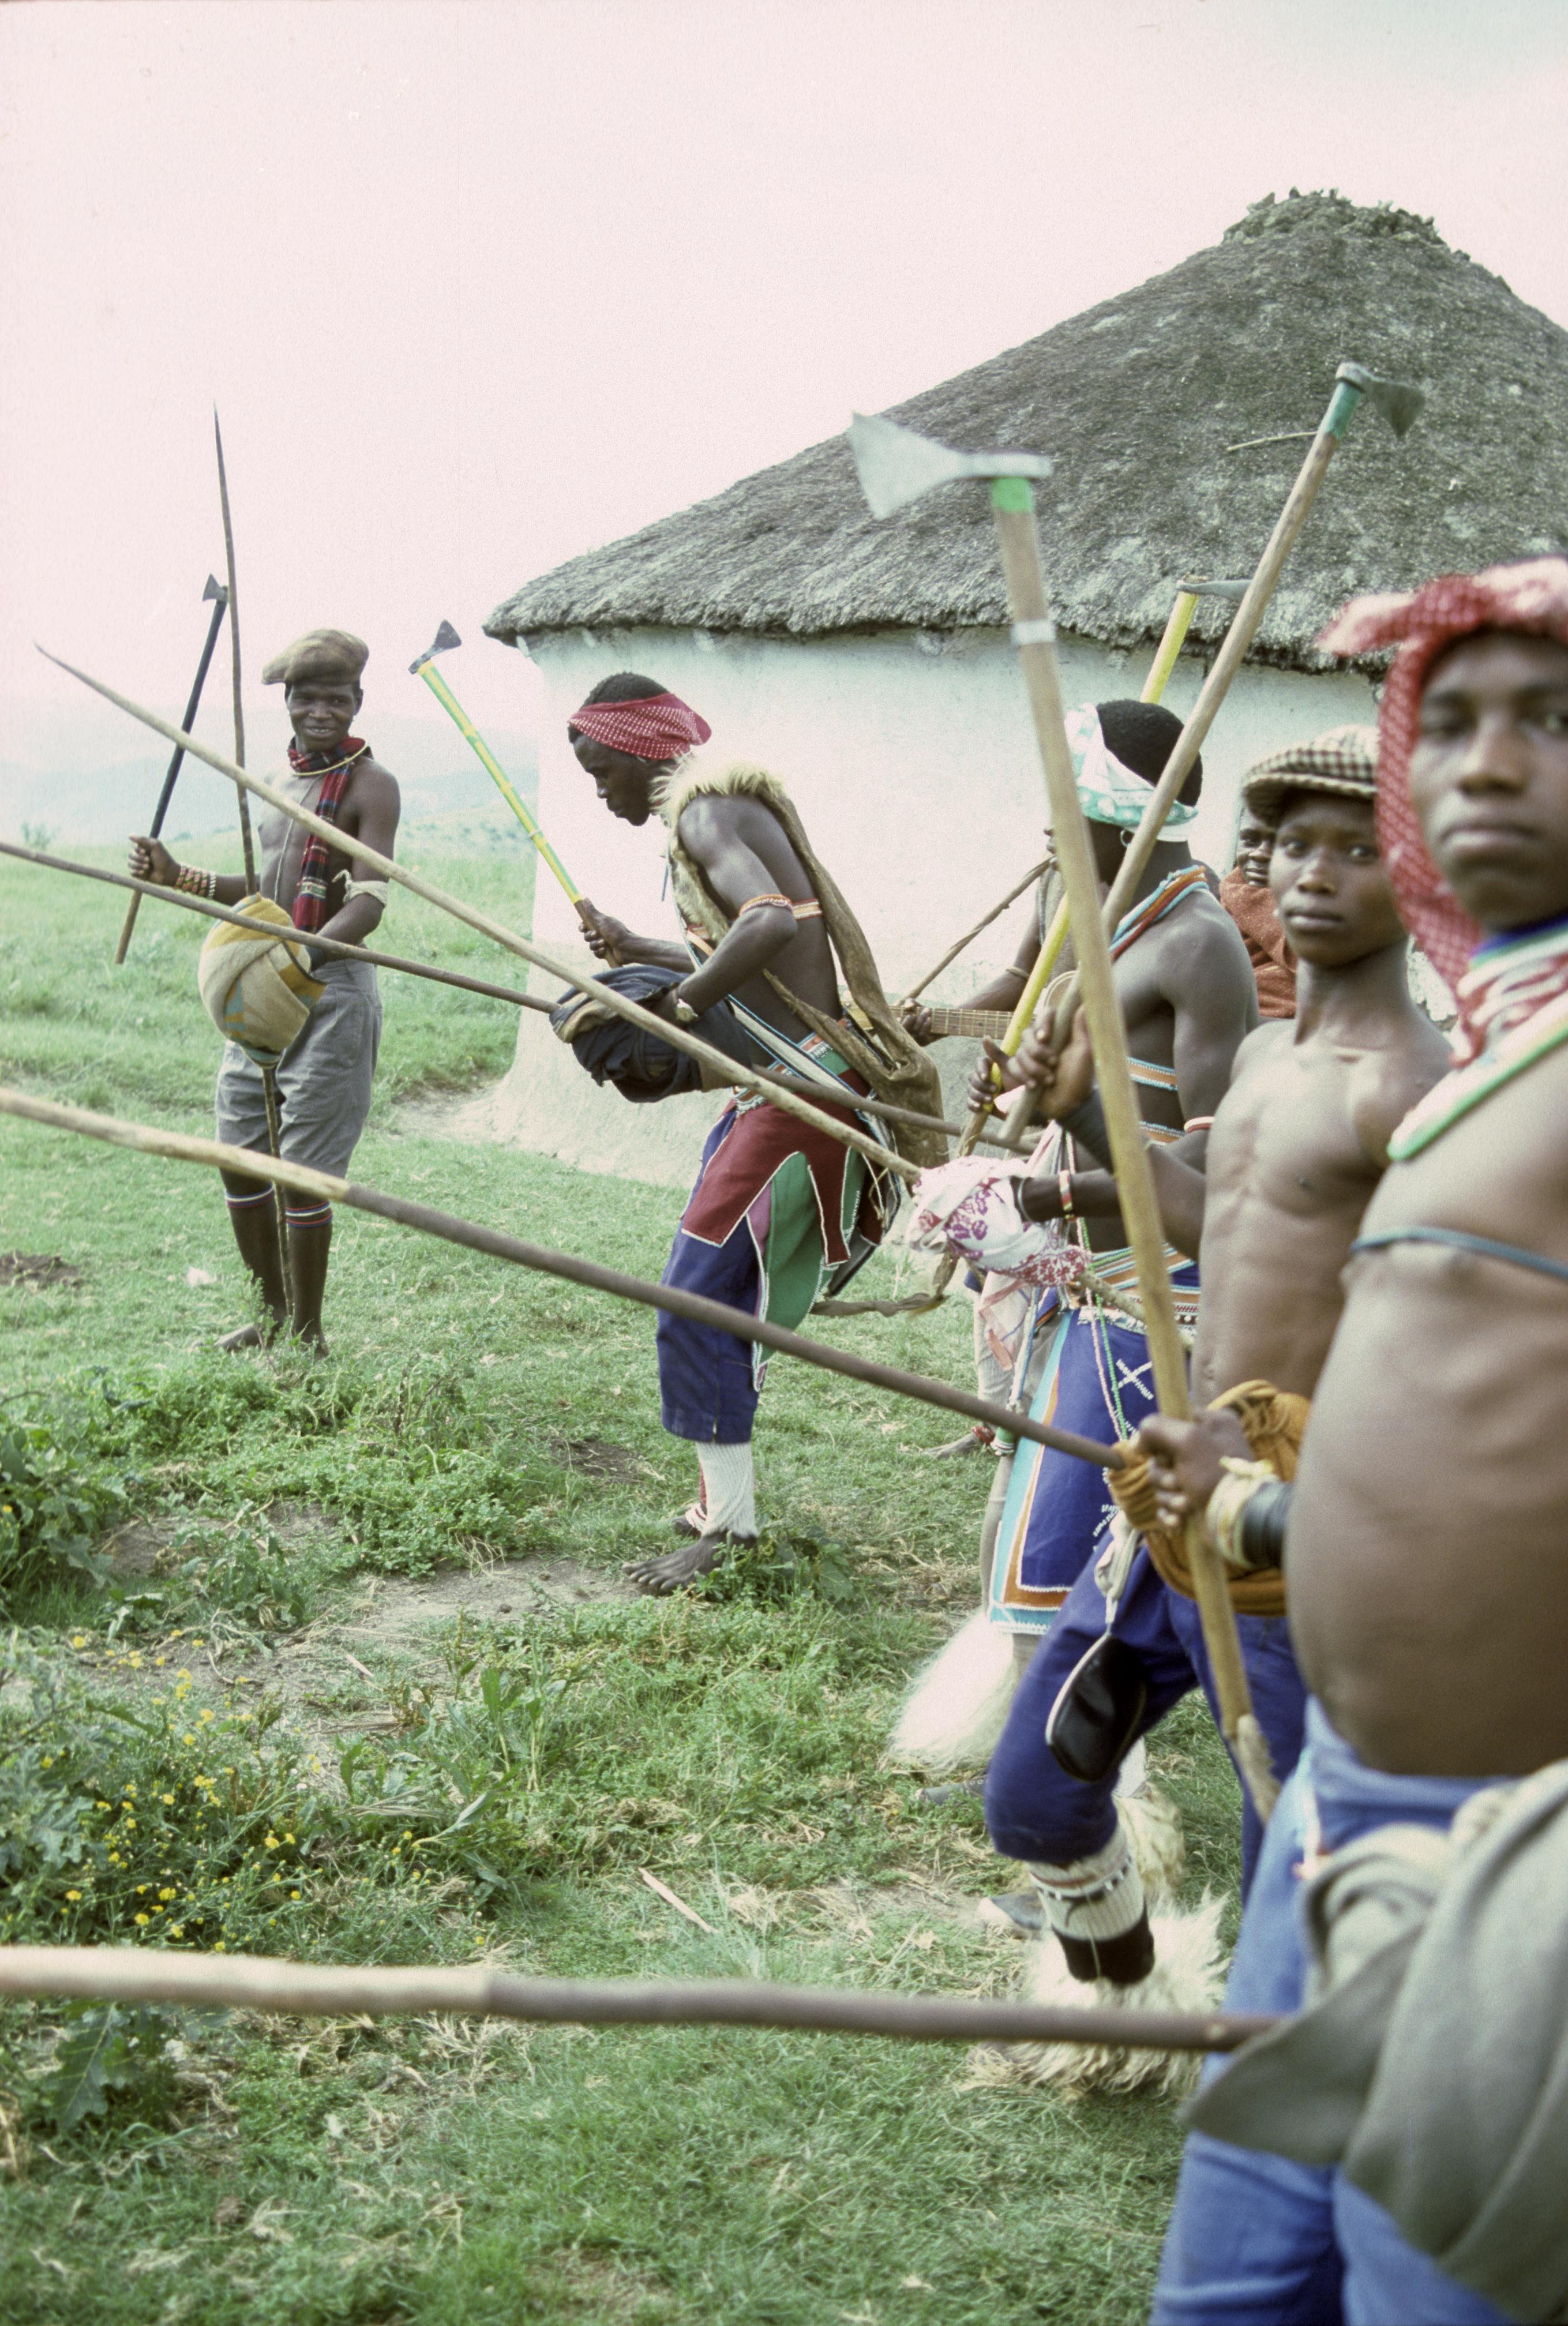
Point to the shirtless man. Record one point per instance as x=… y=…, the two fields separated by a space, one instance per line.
x=778 y=1208
x=1425 y=1527
x=324 y=1076
x=1188 y=999
x=1297 y=1149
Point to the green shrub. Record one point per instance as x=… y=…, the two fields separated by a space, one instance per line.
x=55 y=1501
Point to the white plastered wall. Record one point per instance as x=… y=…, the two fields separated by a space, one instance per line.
x=912 y=761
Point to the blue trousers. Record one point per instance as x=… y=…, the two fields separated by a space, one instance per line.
x=708 y=1384
x=1259 y=2241
x=1033 y=1809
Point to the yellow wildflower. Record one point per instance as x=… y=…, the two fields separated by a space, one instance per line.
x=74 y=1896
x=143 y=1921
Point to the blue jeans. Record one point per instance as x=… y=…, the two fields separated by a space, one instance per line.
x=1259 y=2240
x=1033 y=1809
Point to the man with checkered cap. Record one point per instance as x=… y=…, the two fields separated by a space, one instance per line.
x=1298 y=1145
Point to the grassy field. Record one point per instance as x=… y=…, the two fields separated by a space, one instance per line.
x=353 y=1677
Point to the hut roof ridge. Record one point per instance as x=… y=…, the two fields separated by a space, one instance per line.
x=1177 y=414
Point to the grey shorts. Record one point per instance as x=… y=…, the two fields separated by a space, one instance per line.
x=323 y=1077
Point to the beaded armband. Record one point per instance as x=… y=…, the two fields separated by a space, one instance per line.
x=773 y=896
x=194 y=881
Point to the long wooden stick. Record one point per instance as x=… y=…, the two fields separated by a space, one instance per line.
x=1034 y=633
x=1227 y=663
x=332 y=1990
x=620 y=1004
x=247 y=846
x=407 y=968
x=969 y=936
x=180 y=1148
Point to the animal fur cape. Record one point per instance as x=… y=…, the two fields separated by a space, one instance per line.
x=870 y=1036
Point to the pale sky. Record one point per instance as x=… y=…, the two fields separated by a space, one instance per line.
x=477 y=286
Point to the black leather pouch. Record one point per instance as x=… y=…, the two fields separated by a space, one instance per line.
x=1097 y=1711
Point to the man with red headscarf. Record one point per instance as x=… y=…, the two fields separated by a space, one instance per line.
x=780 y=1210
x=1395 y=2156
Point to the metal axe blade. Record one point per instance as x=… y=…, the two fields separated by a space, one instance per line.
x=1233 y=592
x=898 y=465
x=1398 y=400
x=445 y=637
x=215 y=589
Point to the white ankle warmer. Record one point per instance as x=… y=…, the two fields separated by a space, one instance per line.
x=1096 y=1897
x=729 y=1489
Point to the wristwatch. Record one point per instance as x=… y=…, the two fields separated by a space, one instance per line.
x=681 y=1011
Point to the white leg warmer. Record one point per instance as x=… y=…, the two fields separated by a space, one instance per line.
x=1096 y=1897
x=729 y=1489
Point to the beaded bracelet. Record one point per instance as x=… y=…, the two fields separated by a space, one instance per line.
x=196 y=882
x=1227 y=1506
x=1064 y=1190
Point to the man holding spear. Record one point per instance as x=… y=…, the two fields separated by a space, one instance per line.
x=324 y=1072
x=779 y=1209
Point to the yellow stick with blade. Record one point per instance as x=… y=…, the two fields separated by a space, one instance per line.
x=424 y=668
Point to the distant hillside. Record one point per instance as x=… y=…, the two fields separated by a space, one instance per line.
x=88 y=800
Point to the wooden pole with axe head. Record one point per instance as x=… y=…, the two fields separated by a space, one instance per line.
x=1184 y=607
x=423 y=668
x=219 y=596
x=1399 y=403
x=895 y=468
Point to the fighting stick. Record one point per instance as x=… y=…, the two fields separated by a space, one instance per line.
x=1399 y=403
x=620 y=1004
x=969 y=936
x=373 y=1990
x=325 y=1187
x=897 y=467
x=407 y=968
x=216 y=592
x=423 y=668
x=268 y=1073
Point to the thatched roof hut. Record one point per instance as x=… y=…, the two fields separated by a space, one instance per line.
x=869 y=662
x=1177 y=415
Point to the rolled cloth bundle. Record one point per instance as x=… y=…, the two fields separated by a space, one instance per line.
x=637 y=1064
x=257 y=991
x=1275 y=1422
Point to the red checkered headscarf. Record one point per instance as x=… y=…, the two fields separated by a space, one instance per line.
x=1531 y=597
x=650 y=727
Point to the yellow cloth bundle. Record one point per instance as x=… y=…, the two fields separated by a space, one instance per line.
x=257 y=990
x=1275 y=1422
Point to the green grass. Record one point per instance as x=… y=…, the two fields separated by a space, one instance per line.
x=280 y=2171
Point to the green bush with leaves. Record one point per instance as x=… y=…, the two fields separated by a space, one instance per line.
x=150 y=1822
x=55 y=1501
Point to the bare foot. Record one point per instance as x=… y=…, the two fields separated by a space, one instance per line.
x=676 y=1568
x=247 y=1337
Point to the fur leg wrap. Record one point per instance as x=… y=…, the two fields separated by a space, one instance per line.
x=1186 y=1976
x=957 y=1706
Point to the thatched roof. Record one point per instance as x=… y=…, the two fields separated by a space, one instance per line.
x=1147 y=404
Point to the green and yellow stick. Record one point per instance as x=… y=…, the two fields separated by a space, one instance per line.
x=424 y=668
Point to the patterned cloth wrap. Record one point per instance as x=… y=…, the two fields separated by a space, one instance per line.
x=1097 y=1381
x=658 y=727
x=1531 y=597
x=1109 y=792
x=971 y=1207
x=1275 y=1422
x=311 y=899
